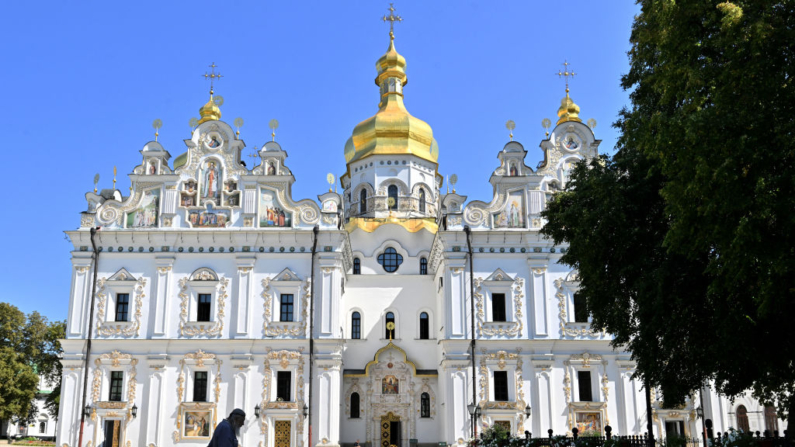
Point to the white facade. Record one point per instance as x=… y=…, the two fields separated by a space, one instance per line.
x=43 y=426
x=214 y=263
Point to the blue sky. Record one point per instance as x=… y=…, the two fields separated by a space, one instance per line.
x=83 y=81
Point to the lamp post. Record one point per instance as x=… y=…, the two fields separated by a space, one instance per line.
x=134 y=411
x=257 y=411
x=474 y=414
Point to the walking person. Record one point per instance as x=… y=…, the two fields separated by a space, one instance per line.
x=227 y=431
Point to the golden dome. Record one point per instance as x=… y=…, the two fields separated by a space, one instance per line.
x=210 y=111
x=392 y=130
x=568 y=111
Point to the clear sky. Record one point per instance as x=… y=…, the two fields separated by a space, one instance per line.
x=83 y=81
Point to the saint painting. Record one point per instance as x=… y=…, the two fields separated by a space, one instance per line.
x=211 y=181
x=389 y=385
x=213 y=141
x=271 y=168
x=145 y=216
x=513 y=171
x=208 y=219
x=590 y=423
x=571 y=144
x=197 y=424
x=512 y=214
x=271 y=211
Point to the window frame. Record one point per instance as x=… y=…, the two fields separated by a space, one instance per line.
x=116 y=384
x=425 y=405
x=356 y=406
x=392 y=192
x=577 y=309
x=424 y=325
x=499 y=308
x=281 y=386
x=582 y=384
x=502 y=388
x=356 y=325
x=200 y=385
x=357 y=266
x=390 y=258
x=204 y=310
x=386 y=322
x=422 y=206
x=423 y=265
x=363 y=201
x=289 y=311
x=118 y=308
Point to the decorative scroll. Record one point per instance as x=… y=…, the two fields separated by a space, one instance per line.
x=508 y=328
x=271 y=328
x=211 y=328
x=107 y=328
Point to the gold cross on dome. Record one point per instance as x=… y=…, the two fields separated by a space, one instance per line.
x=212 y=76
x=566 y=73
x=392 y=18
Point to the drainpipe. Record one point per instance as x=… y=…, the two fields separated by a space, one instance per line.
x=315 y=231
x=95 y=260
x=468 y=232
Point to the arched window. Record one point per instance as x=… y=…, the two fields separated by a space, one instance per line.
x=423 y=266
x=390 y=259
x=42 y=427
x=392 y=193
x=422 y=200
x=771 y=419
x=425 y=325
x=425 y=405
x=390 y=318
x=363 y=201
x=742 y=419
x=355 y=405
x=357 y=266
x=356 y=325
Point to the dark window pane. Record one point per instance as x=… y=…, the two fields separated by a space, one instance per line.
x=390 y=259
x=283 y=385
x=286 y=311
x=580 y=309
x=498 y=307
x=424 y=326
x=116 y=384
x=357 y=266
x=363 y=201
x=425 y=405
x=122 y=306
x=742 y=419
x=771 y=419
x=422 y=200
x=392 y=192
x=584 y=384
x=501 y=386
x=423 y=266
x=390 y=318
x=355 y=405
x=200 y=386
x=356 y=326
x=203 y=310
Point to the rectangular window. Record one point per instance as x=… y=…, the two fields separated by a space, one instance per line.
x=356 y=326
x=584 y=384
x=203 y=310
x=501 y=386
x=580 y=309
x=286 y=313
x=116 y=383
x=122 y=306
x=200 y=386
x=283 y=385
x=498 y=307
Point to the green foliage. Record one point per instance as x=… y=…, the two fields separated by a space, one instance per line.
x=28 y=347
x=685 y=240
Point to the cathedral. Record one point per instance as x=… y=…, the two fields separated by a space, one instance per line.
x=393 y=313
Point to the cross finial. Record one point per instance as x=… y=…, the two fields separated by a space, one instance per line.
x=566 y=73
x=392 y=18
x=212 y=76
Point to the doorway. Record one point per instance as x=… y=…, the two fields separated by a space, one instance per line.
x=283 y=430
x=390 y=430
x=112 y=433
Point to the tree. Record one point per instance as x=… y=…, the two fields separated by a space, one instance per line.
x=29 y=348
x=707 y=147
x=18 y=380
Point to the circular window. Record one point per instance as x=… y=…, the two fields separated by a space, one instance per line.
x=390 y=260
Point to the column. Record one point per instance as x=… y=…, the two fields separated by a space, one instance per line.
x=152 y=408
x=327 y=398
x=537 y=263
x=69 y=411
x=456 y=290
x=456 y=393
x=159 y=299
x=245 y=273
x=80 y=297
x=542 y=396
x=327 y=298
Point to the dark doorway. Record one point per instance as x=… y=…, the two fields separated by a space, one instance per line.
x=394 y=433
x=111 y=434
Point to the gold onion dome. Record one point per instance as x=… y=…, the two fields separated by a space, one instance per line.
x=392 y=130
x=568 y=111
x=210 y=111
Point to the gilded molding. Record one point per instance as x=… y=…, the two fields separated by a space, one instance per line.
x=128 y=329
x=269 y=327
x=190 y=329
x=565 y=329
x=507 y=328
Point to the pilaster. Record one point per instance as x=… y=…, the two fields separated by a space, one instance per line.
x=80 y=296
x=537 y=263
x=456 y=294
x=542 y=394
x=153 y=407
x=327 y=400
x=327 y=298
x=245 y=274
x=159 y=299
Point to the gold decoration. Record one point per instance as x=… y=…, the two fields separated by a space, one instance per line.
x=566 y=328
x=127 y=329
x=210 y=330
x=507 y=328
x=295 y=330
x=568 y=111
x=199 y=356
x=164 y=270
x=210 y=110
x=411 y=225
x=284 y=357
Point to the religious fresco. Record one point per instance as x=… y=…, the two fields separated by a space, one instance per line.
x=197 y=424
x=571 y=144
x=145 y=216
x=210 y=181
x=329 y=206
x=208 y=219
x=271 y=211
x=390 y=385
x=590 y=422
x=512 y=214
